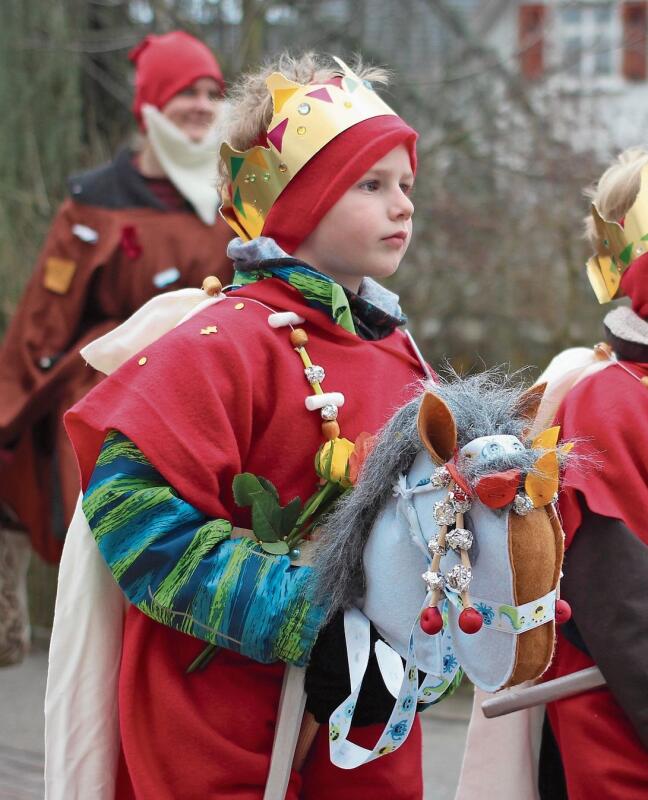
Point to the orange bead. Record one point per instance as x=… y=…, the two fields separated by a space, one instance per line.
x=298 y=337
x=212 y=286
x=330 y=429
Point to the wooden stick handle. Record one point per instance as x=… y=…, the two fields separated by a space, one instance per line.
x=307 y=733
x=291 y=712
x=517 y=699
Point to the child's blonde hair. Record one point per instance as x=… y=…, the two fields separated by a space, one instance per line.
x=249 y=109
x=616 y=190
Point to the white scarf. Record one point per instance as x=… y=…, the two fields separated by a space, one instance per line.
x=191 y=166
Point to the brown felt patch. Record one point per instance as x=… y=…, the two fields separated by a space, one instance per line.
x=436 y=428
x=58 y=274
x=536 y=551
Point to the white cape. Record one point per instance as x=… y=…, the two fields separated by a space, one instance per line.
x=81 y=713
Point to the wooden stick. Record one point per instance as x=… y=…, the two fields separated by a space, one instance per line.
x=307 y=733
x=289 y=722
x=516 y=699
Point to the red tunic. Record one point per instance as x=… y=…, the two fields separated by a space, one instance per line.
x=81 y=289
x=601 y=752
x=203 y=408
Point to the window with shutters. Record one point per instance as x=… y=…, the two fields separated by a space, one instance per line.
x=586 y=38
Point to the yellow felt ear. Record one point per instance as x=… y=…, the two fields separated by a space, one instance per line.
x=436 y=428
x=547 y=438
x=543 y=485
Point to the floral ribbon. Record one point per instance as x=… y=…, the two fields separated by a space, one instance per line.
x=348 y=755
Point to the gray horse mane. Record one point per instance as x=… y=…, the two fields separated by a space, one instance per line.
x=484 y=404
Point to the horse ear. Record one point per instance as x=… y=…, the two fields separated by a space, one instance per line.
x=436 y=428
x=528 y=404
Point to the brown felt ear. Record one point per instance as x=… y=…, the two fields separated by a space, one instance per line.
x=529 y=403
x=436 y=428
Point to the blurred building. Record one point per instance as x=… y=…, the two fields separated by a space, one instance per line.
x=587 y=63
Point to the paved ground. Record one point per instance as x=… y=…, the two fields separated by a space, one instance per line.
x=21 y=735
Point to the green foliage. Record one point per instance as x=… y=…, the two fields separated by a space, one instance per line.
x=271 y=522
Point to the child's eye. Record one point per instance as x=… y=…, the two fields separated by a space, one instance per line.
x=370 y=186
x=406 y=188
x=188 y=92
x=214 y=96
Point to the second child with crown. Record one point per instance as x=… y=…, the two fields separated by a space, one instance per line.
x=194 y=451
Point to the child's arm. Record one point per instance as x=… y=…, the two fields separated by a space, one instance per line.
x=183 y=569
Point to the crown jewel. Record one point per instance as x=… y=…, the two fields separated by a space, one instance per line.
x=619 y=245
x=305 y=119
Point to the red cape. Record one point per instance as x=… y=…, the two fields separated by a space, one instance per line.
x=608 y=412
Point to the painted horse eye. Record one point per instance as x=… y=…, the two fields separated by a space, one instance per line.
x=491 y=450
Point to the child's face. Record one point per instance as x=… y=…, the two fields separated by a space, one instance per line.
x=368 y=230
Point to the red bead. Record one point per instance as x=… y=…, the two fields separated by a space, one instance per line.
x=563 y=612
x=470 y=620
x=431 y=621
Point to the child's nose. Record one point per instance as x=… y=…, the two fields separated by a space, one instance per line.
x=403 y=208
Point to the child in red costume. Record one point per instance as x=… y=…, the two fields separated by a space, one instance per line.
x=602 y=735
x=323 y=204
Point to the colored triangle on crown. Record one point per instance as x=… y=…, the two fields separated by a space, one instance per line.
x=351 y=85
x=275 y=136
x=238 y=203
x=237 y=163
x=321 y=94
x=281 y=96
x=256 y=157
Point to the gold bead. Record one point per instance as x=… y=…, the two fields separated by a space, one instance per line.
x=330 y=429
x=212 y=286
x=142 y=361
x=239 y=306
x=644 y=381
x=298 y=337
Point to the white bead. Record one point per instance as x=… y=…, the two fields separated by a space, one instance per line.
x=281 y=319
x=315 y=401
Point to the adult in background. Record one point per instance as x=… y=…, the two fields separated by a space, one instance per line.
x=142 y=224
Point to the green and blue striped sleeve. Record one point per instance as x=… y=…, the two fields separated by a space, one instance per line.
x=184 y=570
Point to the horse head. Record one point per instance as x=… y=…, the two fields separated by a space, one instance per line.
x=462 y=557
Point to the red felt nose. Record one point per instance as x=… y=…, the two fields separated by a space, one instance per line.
x=431 y=621
x=499 y=489
x=563 y=612
x=470 y=620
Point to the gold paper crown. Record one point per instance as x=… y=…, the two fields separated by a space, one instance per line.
x=305 y=119
x=619 y=245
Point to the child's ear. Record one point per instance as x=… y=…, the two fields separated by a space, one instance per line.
x=436 y=428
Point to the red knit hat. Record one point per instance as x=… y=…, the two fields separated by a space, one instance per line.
x=327 y=176
x=167 y=64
